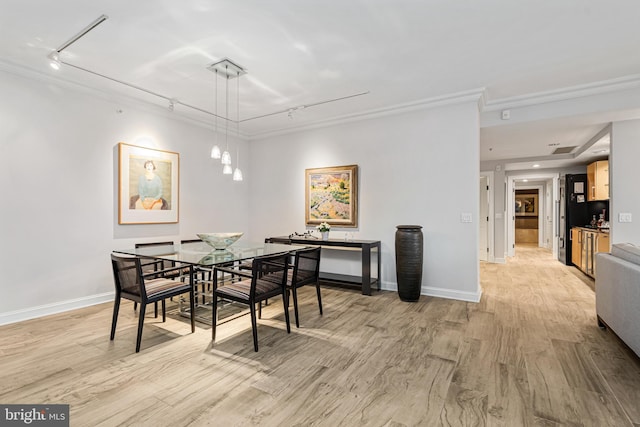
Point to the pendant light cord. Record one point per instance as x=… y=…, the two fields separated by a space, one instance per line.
x=215 y=109
x=226 y=114
x=238 y=120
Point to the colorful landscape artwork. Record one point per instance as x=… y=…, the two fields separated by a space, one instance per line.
x=331 y=195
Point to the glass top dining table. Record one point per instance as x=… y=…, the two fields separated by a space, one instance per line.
x=202 y=255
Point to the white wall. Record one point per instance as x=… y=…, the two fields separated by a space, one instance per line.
x=625 y=181
x=416 y=168
x=58 y=174
x=58 y=182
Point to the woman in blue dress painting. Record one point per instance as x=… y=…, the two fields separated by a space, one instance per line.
x=150 y=189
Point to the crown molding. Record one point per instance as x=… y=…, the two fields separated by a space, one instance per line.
x=571 y=92
x=473 y=95
x=479 y=95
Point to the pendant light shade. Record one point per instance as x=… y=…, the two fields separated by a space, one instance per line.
x=215 y=152
x=226 y=158
x=227 y=170
x=237 y=175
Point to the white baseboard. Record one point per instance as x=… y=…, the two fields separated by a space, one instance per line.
x=439 y=292
x=54 y=308
x=500 y=261
x=452 y=294
x=387 y=286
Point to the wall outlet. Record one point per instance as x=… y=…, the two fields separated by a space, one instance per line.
x=624 y=217
x=506 y=114
x=466 y=217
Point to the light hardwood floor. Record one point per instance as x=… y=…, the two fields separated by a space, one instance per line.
x=530 y=353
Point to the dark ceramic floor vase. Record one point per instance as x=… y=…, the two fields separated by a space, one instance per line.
x=409 y=243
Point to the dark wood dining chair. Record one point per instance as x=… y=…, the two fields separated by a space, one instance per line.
x=133 y=284
x=267 y=279
x=149 y=265
x=306 y=271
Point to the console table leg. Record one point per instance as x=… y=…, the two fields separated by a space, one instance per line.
x=366 y=270
x=379 y=250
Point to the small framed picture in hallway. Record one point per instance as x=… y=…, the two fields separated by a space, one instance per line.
x=526 y=205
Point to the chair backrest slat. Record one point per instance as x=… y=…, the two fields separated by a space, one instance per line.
x=306 y=266
x=269 y=268
x=127 y=274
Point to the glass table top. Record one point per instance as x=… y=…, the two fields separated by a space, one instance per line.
x=199 y=253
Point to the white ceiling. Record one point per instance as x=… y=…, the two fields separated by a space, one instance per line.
x=305 y=52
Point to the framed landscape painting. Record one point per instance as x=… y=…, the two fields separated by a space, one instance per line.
x=331 y=195
x=147 y=185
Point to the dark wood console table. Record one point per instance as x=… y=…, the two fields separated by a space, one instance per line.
x=366 y=246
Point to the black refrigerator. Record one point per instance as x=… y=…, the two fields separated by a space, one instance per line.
x=573 y=211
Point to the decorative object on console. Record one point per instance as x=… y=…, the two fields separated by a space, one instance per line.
x=331 y=196
x=324 y=229
x=219 y=241
x=306 y=235
x=409 y=243
x=147 y=185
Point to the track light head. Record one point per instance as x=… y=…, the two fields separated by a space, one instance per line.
x=54 y=60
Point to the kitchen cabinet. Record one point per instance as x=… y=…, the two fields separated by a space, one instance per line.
x=586 y=243
x=598 y=180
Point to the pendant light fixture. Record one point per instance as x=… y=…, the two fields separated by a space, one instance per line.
x=229 y=70
x=237 y=173
x=215 y=150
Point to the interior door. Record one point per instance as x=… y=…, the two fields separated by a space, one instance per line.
x=483 y=219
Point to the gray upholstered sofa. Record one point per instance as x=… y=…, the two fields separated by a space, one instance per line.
x=618 y=292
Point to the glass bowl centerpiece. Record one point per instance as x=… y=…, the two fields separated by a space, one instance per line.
x=219 y=241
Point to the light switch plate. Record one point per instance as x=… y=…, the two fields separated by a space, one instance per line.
x=466 y=217
x=624 y=217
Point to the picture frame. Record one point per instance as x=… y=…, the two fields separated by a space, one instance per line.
x=331 y=196
x=526 y=205
x=148 y=185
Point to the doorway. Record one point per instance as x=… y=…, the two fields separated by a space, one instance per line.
x=486 y=218
x=483 y=220
x=547 y=187
x=528 y=212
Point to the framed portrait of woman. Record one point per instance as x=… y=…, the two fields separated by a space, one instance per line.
x=147 y=185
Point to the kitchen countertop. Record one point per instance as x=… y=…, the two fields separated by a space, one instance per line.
x=595 y=229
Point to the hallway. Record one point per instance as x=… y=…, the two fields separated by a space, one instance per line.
x=542 y=315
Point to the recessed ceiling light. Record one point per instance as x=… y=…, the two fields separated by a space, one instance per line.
x=600 y=151
x=536 y=165
x=525 y=180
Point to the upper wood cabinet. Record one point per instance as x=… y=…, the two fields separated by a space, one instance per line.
x=598 y=180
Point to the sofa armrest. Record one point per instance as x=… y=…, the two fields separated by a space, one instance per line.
x=618 y=297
